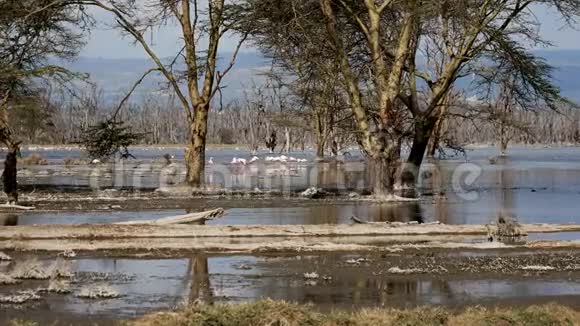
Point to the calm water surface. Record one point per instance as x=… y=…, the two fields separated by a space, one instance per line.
x=534 y=185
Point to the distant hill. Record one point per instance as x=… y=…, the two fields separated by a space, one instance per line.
x=115 y=76
x=567 y=70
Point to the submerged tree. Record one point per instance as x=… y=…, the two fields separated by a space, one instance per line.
x=31 y=33
x=398 y=61
x=108 y=138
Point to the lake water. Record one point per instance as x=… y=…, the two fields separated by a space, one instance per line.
x=534 y=185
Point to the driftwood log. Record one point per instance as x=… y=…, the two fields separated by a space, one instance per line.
x=358 y=220
x=198 y=218
x=268 y=238
x=16 y=207
x=117 y=231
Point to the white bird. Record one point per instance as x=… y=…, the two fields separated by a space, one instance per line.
x=236 y=160
x=96 y=161
x=284 y=159
x=210 y=160
x=254 y=159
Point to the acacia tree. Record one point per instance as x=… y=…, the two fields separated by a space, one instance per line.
x=487 y=42
x=198 y=21
x=31 y=33
x=381 y=47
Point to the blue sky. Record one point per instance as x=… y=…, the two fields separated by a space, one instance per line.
x=107 y=43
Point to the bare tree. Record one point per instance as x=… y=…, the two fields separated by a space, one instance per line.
x=255 y=118
x=301 y=61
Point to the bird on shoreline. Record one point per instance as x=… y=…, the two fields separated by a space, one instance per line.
x=236 y=160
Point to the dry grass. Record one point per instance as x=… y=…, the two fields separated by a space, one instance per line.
x=30 y=269
x=19 y=298
x=506 y=228
x=34 y=159
x=98 y=292
x=551 y=314
x=4 y=257
x=22 y=323
x=33 y=269
x=61 y=268
x=7 y=280
x=59 y=286
x=69 y=161
x=265 y=313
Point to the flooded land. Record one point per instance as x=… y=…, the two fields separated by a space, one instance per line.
x=530 y=186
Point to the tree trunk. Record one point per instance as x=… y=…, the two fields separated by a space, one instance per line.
x=195 y=154
x=423 y=131
x=435 y=137
x=503 y=140
x=9 y=176
x=382 y=172
x=319 y=150
x=409 y=177
x=200 y=282
x=320 y=135
x=288 y=145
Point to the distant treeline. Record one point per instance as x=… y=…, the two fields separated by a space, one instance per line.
x=52 y=120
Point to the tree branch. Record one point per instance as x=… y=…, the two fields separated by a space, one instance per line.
x=126 y=98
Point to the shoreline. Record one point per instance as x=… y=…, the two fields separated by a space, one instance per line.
x=48 y=147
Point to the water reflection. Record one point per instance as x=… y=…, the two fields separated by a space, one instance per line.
x=200 y=288
x=8 y=219
x=527 y=185
x=149 y=285
x=506 y=201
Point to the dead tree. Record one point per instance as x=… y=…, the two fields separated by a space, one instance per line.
x=271 y=142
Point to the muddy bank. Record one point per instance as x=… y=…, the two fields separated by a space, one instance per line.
x=169 y=246
x=82 y=198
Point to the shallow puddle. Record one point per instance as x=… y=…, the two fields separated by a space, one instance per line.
x=341 y=281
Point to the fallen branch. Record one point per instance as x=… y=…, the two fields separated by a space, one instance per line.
x=119 y=231
x=271 y=245
x=194 y=218
x=17 y=207
x=357 y=220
